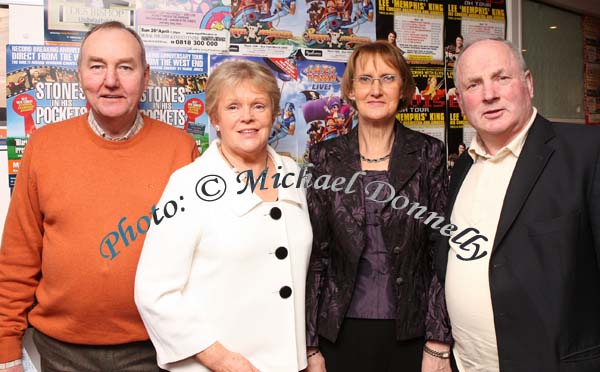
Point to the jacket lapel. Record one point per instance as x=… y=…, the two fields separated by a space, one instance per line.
x=345 y=163
x=532 y=160
x=404 y=161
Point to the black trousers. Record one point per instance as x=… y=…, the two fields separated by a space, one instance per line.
x=370 y=345
x=58 y=356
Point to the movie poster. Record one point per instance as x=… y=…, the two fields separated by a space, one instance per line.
x=196 y=25
x=67 y=21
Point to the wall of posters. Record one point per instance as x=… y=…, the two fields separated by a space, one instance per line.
x=305 y=43
x=591 y=69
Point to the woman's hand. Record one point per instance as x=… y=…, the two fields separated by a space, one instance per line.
x=218 y=359
x=435 y=364
x=316 y=363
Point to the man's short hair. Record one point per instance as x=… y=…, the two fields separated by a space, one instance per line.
x=114 y=25
x=513 y=49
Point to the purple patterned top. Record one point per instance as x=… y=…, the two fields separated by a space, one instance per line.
x=373 y=296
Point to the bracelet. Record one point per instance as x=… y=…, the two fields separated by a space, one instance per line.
x=312 y=354
x=10 y=364
x=437 y=354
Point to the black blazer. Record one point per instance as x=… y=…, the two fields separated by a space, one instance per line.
x=417 y=170
x=545 y=263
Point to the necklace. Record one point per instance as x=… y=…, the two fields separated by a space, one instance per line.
x=378 y=160
x=234 y=169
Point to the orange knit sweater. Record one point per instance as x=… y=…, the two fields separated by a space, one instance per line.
x=72 y=190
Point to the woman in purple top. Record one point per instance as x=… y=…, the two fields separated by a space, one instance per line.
x=373 y=301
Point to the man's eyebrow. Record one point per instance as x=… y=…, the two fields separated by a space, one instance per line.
x=100 y=59
x=499 y=72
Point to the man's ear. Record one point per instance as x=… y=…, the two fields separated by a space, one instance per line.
x=528 y=79
x=146 y=76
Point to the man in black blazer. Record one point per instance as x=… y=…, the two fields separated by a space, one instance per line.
x=523 y=283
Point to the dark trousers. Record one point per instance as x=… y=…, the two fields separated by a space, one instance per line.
x=370 y=345
x=58 y=356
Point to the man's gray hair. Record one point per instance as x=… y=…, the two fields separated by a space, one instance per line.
x=114 y=25
x=513 y=49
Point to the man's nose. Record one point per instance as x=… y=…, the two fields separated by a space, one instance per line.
x=111 y=79
x=489 y=91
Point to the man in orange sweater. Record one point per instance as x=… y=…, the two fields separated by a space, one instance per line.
x=82 y=202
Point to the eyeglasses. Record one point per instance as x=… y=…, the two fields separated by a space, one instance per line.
x=366 y=81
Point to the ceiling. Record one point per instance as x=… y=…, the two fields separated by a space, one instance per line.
x=585 y=7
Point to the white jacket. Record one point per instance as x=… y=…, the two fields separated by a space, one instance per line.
x=211 y=273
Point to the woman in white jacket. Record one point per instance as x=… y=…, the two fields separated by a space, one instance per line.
x=220 y=282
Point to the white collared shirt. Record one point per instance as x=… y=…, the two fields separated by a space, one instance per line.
x=135 y=128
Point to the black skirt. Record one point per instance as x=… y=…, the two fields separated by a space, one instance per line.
x=370 y=345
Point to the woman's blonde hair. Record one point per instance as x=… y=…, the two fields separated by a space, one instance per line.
x=230 y=74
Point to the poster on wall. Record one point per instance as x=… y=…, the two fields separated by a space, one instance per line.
x=284 y=135
x=471 y=21
x=196 y=25
x=67 y=21
x=324 y=115
x=333 y=28
x=311 y=108
x=267 y=28
x=591 y=67
x=175 y=93
x=466 y=22
x=43 y=88
x=418 y=27
x=427 y=112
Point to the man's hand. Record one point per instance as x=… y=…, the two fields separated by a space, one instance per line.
x=218 y=359
x=316 y=363
x=435 y=364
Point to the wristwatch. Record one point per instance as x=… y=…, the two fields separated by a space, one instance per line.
x=10 y=364
x=437 y=354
